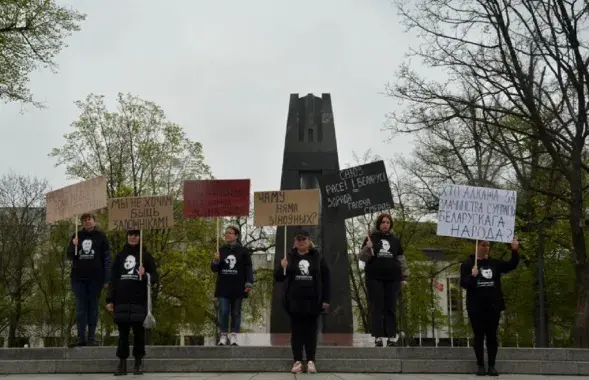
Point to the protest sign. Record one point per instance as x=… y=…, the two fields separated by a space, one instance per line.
x=74 y=200
x=286 y=208
x=216 y=198
x=140 y=213
x=356 y=191
x=477 y=213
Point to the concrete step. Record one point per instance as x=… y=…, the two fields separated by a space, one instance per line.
x=283 y=365
x=326 y=352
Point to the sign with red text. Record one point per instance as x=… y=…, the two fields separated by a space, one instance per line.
x=477 y=213
x=286 y=208
x=74 y=200
x=140 y=213
x=216 y=198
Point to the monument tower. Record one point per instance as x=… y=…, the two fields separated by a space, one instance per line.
x=310 y=150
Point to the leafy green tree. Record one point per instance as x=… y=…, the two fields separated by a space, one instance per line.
x=32 y=33
x=141 y=153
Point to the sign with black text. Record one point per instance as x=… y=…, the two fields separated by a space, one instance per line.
x=477 y=213
x=356 y=191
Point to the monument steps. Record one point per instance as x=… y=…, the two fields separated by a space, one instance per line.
x=278 y=359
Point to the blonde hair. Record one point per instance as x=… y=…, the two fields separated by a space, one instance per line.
x=311 y=244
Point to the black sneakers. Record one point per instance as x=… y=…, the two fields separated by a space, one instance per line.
x=121 y=368
x=138 y=370
x=492 y=371
x=378 y=342
x=481 y=371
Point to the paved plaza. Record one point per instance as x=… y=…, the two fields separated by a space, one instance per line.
x=282 y=376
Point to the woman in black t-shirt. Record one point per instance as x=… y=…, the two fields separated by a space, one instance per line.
x=484 y=299
x=385 y=272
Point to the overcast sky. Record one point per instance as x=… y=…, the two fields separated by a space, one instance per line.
x=224 y=70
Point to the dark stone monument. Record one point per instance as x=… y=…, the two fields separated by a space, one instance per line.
x=310 y=150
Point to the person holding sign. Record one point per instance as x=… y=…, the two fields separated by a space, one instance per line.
x=235 y=277
x=307 y=292
x=385 y=271
x=481 y=277
x=127 y=299
x=89 y=251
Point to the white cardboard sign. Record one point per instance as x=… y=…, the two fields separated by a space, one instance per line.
x=478 y=213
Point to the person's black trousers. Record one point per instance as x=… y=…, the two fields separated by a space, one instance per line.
x=484 y=325
x=382 y=297
x=138 y=343
x=304 y=335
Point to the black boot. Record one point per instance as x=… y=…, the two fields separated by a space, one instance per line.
x=79 y=343
x=138 y=370
x=481 y=371
x=492 y=371
x=121 y=368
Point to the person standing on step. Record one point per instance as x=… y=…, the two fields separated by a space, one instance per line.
x=89 y=275
x=235 y=277
x=385 y=272
x=484 y=299
x=307 y=291
x=127 y=299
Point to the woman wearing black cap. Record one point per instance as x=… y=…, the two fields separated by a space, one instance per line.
x=385 y=271
x=127 y=299
x=307 y=290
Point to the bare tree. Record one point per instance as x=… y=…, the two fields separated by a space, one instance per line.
x=22 y=229
x=508 y=60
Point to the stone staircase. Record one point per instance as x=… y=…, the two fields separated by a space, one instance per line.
x=278 y=359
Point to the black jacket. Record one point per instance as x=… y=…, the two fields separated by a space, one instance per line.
x=93 y=258
x=127 y=292
x=484 y=293
x=386 y=261
x=307 y=284
x=234 y=271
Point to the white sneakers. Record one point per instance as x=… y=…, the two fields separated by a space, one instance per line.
x=224 y=340
x=297 y=368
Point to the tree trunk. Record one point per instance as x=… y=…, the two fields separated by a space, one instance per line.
x=14 y=321
x=581 y=326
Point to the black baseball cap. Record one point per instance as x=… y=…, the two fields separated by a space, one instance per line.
x=302 y=233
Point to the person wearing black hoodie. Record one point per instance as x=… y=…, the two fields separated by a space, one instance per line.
x=89 y=275
x=385 y=272
x=307 y=292
x=235 y=277
x=484 y=299
x=127 y=299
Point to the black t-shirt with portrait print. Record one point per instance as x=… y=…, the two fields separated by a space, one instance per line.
x=126 y=287
x=234 y=271
x=90 y=261
x=483 y=292
x=308 y=282
x=384 y=265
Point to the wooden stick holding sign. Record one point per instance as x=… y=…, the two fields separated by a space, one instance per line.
x=140 y=251
x=476 y=254
x=218 y=233
x=76 y=247
x=285 y=247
